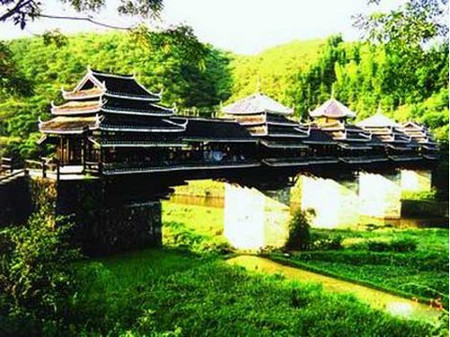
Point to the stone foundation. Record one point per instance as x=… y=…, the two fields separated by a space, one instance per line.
x=254 y=220
x=380 y=196
x=104 y=221
x=415 y=181
x=335 y=204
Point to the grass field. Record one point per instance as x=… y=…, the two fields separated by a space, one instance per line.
x=168 y=293
x=421 y=273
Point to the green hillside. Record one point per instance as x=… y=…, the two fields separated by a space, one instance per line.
x=271 y=70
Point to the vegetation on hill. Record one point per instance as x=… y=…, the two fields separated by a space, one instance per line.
x=197 y=78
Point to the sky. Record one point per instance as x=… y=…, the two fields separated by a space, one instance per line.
x=241 y=26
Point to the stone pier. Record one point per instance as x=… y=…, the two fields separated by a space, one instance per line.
x=255 y=219
x=380 y=195
x=335 y=203
x=104 y=221
x=416 y=181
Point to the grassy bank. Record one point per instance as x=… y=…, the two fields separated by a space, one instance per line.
x=154 y=292
x=420 y=273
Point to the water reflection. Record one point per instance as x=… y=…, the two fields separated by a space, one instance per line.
x=218 y=202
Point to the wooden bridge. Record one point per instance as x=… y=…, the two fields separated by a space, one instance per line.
x=116 y=146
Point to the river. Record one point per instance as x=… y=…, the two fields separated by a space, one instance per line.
x=404 y=222
x=395 y=305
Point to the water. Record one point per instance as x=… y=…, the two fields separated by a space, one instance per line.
x=395 y=305
x=218 y=202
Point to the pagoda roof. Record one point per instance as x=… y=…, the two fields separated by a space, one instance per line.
x=419 y=133
x=68 y=125
x=122 y=123
x=287 y=131
x=317 y=136
x=332 y=109
x=257 y=103
x=131 y=107
x=377 y=121
x=124 y=85
x=111 y=85
x=214 y=130
x=77 y=107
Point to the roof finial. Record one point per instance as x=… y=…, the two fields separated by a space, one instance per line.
x=89 y=68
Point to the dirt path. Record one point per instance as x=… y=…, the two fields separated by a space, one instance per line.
x=395 y=305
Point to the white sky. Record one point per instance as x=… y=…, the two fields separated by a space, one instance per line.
x=242 y=26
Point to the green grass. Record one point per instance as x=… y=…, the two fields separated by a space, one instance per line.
x=422 y=273
x=153 y=292
x=174 y=292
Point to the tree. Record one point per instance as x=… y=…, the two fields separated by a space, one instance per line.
x=11 y=81
x=22 y=11
x=407 y=28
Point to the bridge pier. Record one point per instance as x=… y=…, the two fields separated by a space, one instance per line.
x=415 y=180
x=107 y=221
x=335 y=203
x=380 y=195
x=256 y=219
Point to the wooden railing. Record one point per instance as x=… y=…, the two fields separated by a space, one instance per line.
x=6 y=165
x=13 y=174
x=92 y=167
x=45 y=165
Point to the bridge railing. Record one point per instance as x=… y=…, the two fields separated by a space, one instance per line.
x=6 y=165
x=45 y=166
x=92 y=167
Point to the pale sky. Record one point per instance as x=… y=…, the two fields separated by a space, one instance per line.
x=242 y=26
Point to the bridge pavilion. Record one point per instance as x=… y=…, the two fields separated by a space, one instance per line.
x=283 y=141
x=113 y=125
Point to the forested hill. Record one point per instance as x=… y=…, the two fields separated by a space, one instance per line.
x=300 y=74
x=272 y=70
x=364 y=77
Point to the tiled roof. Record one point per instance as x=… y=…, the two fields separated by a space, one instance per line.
x=377 y=121
x=257 y=103
x=68 y=125
x=141 y=124
x=213 y=129
x=332 y=109
x=139 y=107
x=123 y=84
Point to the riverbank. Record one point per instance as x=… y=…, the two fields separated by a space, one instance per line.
x=394 y=305
x=420 y=273
x=170 y=293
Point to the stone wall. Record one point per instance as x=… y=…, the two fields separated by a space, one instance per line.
x=15 y=202
x=335 y=203
x=104 y=222
x=107 y=223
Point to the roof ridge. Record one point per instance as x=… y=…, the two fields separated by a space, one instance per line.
x=101 y=73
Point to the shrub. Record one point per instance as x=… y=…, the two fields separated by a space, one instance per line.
x=378 y=246
x=396 y=245
x=299 y=232
x=403 y=245
x=329 y=243
x=177 y=235
x=420 y=195
x=36 y=274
